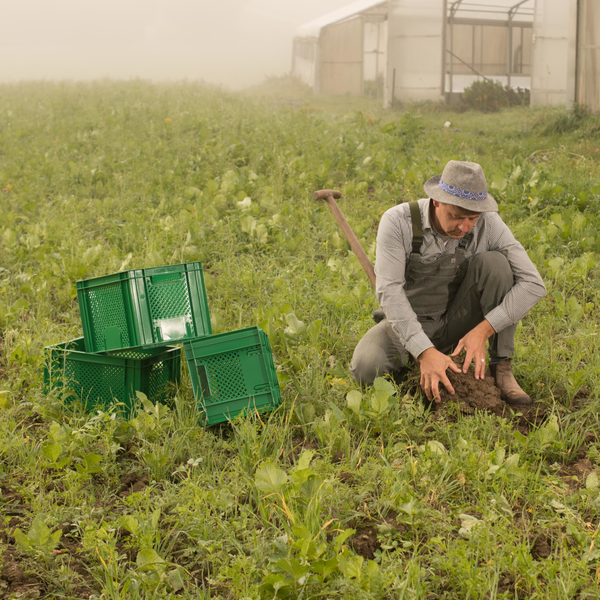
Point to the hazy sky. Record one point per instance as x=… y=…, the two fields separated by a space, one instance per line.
x=232 y=42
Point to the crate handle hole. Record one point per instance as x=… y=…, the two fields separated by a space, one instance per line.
x=165 y=278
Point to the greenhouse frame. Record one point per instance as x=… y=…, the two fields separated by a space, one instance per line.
x=436 y=48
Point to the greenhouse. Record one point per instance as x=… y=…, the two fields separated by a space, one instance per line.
x=433 y=49
x=344 y=52
x=437 y=48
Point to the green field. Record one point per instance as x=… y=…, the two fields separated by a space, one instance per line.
x=334 y=494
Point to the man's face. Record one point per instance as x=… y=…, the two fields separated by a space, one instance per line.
x=453 y=221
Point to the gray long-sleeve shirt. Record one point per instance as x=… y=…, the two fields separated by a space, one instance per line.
x=394 y=244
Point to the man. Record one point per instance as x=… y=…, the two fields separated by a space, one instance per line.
x=449 y=274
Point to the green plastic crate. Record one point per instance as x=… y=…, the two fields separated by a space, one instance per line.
x=232 y=373
x=144 y=307
x=100 y=379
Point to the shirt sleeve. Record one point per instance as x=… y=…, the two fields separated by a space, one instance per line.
x=529 y=286
x=394 y=238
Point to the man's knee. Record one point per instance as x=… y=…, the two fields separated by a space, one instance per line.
x=493 y=264
x=365 y=369
x=376 y=355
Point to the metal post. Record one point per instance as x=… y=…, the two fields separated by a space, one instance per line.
x=452 y=57
x=444 y=27
x=362 y=56
x=455 y=6
x=377 y=60
x=509 y=51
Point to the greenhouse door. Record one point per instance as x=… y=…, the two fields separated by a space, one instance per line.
x=554 y=42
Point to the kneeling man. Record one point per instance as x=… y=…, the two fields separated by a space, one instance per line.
x=450 y=274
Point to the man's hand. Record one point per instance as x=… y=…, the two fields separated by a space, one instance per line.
x=474 y=344
x=433 y=365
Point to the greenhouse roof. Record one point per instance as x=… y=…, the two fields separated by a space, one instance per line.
x=313 y=28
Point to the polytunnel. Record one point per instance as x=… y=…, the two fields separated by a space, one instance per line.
x=344 y=52
x=436 y=48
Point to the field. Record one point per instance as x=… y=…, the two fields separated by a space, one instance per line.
x=340 y=492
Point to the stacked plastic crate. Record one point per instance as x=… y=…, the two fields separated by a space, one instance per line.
x=130 y=319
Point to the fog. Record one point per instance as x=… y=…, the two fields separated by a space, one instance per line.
x=235 y=43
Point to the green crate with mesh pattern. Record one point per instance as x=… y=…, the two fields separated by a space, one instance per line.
x=98 y=380
x=232 y=373
x=144 y=307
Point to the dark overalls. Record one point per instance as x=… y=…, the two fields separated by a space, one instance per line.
x=450 y=296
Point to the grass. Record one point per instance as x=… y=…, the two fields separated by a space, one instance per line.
x=334 y=494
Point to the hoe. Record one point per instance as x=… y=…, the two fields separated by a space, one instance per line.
x=330 y=197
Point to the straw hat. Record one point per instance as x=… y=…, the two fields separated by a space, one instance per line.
x=462 y=184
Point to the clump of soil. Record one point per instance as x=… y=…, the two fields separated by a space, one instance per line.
x=131 y=483
x=473 y=395
x=364 y=542
x=346 y=477
x=541 y=547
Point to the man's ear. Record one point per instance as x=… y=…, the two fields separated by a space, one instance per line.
x=435 y=203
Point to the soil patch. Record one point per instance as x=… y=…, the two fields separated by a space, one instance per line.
x=300 y=443
x=541 y=547
x=472 y=395
x=346 y=477
x=132 y=482
x=577 y=472
x=364 y=542
x=20 y=584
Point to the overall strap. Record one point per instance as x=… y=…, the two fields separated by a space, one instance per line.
x=465 y=241
x=417 y=226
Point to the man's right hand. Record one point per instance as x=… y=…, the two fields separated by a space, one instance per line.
x=433 y=365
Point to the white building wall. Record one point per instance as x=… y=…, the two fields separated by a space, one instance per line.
x=554 y=52
x=415 y=45
x=305 y=69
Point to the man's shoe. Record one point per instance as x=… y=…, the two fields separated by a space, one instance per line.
x=510 y=390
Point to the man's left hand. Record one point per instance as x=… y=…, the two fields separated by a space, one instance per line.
x=474 y=345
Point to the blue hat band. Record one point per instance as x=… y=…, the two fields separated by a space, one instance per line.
x=454 y=191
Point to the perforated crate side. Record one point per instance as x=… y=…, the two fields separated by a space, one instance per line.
x=159 y=376
x=99 y=379
x=107 y=307
x=144 y=307
x=268 y=351
x=240 y=377
x=225 y=377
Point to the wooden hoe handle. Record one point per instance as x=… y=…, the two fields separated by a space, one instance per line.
x=329 y=196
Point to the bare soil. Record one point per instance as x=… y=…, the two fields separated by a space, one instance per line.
x=472 y=395
x=541 y=547
x=576 y=473
x=364 y=542
x=132 y=482
x=18 y=582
